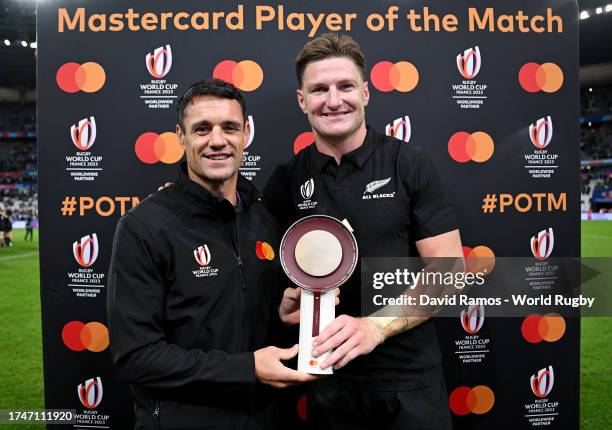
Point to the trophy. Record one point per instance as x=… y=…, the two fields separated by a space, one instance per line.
x=318 y=253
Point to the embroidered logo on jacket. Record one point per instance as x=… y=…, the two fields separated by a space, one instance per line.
x=264 y=251
x=202 y=257
x=375 y=185
x=306 y=191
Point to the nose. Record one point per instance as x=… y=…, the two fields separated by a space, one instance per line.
x=334 y=99
x=216 y=137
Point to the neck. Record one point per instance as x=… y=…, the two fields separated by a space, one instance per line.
x=342 y=145
x=223 y=189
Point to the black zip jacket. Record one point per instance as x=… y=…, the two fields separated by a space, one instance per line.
x=192 y=293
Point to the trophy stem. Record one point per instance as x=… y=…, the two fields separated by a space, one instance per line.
x=316 y=314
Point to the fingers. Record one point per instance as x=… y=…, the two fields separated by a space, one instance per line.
x=293 y=377
x=292 y=293
x=288 y=353
x=334 y=327
x=339 y=353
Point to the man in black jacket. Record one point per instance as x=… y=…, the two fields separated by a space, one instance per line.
x=193 y=283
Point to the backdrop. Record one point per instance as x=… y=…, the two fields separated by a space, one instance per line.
x=490 y=91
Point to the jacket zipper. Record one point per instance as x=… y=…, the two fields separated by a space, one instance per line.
x=237 y=255
x=156 y=413
x=236 y=243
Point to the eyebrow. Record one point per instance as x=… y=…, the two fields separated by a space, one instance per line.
x=206 y=123
x=322 y=84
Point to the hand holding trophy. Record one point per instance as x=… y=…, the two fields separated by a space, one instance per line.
x=318 y=253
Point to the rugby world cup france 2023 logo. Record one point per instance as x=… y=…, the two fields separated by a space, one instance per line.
x=541 y=132
x=468 y=63
x=542 y=382
x=90 y=392
x=159 y=61
x=542 y=244
x=202 y=255
x=400 y=129
x=85 y=250
x=307 y=189
x=472 y=318
x=83 y=134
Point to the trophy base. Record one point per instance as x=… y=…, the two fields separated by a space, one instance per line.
x=306 y=362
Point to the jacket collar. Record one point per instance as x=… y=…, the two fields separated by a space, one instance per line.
x=247 y=192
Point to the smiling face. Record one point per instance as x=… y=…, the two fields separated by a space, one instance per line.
x=334 y=96
x=214 y=136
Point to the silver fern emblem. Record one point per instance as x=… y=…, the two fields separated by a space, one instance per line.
x=373 y=186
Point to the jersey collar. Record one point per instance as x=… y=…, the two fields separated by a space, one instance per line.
x=357 y=156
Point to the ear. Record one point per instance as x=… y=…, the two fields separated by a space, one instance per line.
x=180 y=135
x=300 y=99
x=247 y=133
x=366 y=93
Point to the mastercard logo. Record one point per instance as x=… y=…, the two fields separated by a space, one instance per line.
x=152 y=148
x=401 y=76
x=264 y=251
x=534 y=77
x=478 y=400
x=246 y=75
x=73 y=77
x=92 y=336
x=464 y=146
x=479 y=259
x=302 y=141
x=549 y=327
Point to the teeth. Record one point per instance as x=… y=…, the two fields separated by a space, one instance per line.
x=217 y=157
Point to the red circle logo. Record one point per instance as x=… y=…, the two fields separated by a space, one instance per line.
x=478 y=400
x=92 y=336
x=303 y=140
x=401 y=76
x=153 y=148
x=534 y=77
x=246 y=75
x=73 y=77
x=464 y=147
x=536 y=328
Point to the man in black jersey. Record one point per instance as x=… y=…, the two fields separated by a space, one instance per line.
x=387 y=371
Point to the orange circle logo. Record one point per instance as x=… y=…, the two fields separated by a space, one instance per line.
x=479 y=259
x=401 y=76
x=73 y=77
x=92 y=336
x=264 y=251
x=246 y=75
x=536 y=328
x=478 y=400
x=152 y=148
x=534 y=77
x=463 y=147
x=302 y=141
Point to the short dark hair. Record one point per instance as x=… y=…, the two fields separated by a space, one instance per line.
x=328 y=46
x=212 y=88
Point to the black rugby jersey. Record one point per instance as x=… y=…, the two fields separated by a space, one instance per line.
x=392 y=196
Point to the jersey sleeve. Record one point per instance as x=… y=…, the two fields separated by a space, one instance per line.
x=135 y=308
x=431 y=211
